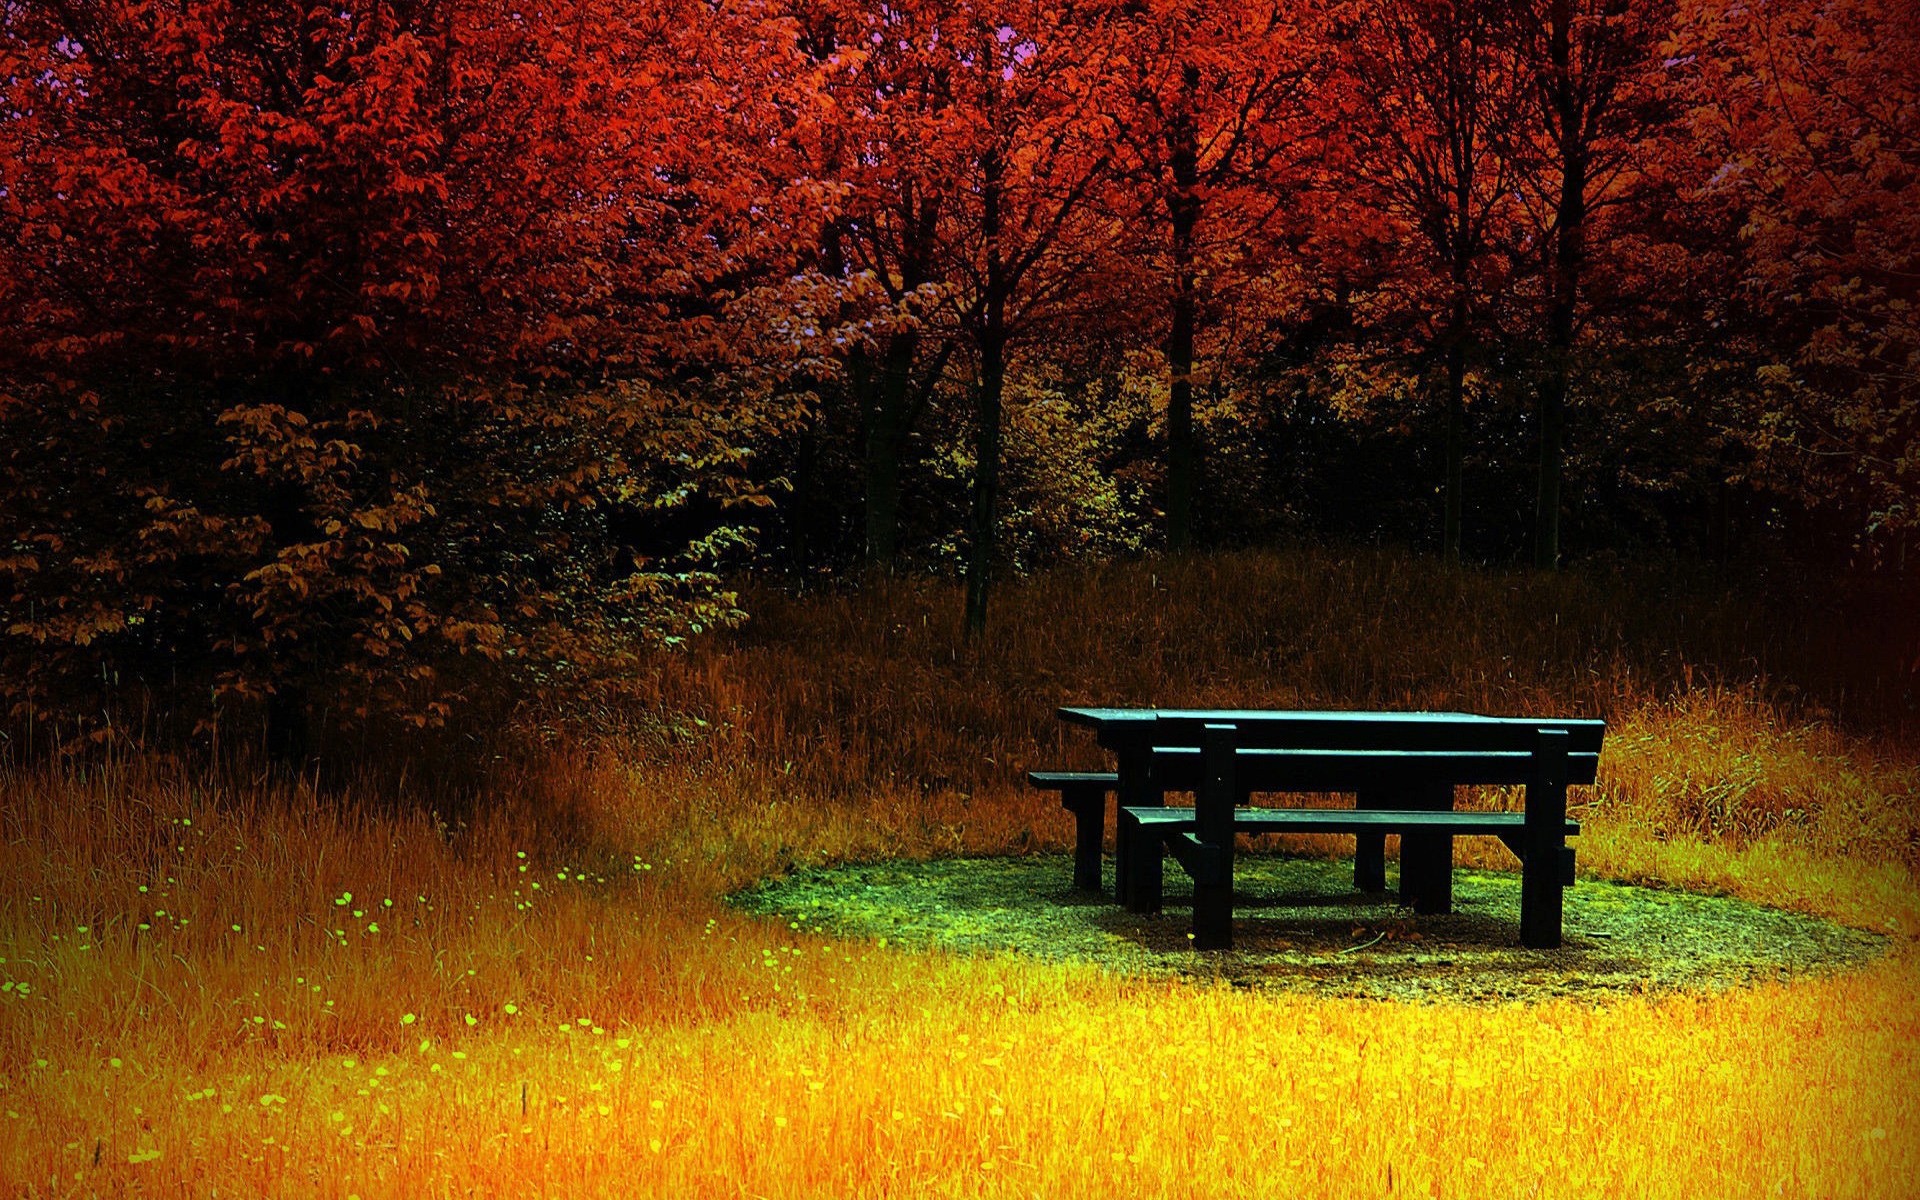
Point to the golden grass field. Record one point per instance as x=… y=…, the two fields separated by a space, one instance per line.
x=232 y=988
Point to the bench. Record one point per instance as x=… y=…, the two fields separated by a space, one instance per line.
x=1221 y=773
x=1402 y=768
x=1084 y=794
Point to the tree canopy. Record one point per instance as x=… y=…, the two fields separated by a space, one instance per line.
x=355 y=354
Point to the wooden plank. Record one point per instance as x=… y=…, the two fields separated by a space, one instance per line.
x=1392 y=733
x=1203 y=863
x=1055 y=780
x=1084 y=794
x=1140 y=887
x=1335 y=729
x=1138 y=789
x=1170 y=819
x=1426 y=854
x=1214 y=799
x=1090 y=715
x=1088 y=804
x=1177 y=768
x=1089 y=828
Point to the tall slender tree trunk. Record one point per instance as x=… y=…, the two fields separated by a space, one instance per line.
x=986 y=480
x=991 y=334
x=1568 y=255
x=799 y=519
x=289 y=732
x=886 y=417
x=1456 y=422
x=1183 y=457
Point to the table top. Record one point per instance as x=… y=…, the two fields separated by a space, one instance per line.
x=1079 y=715
x=1332 y=728
x=1415 y=741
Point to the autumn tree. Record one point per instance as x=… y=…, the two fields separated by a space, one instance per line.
x=888 y=80
x=1594 y=67
x=1807 y=120
x=1219 y=113
x=1437 y=93
x=1027 y=141
x=348 y=342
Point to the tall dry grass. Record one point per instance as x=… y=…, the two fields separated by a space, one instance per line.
x=1734 y=714
x=245 y=989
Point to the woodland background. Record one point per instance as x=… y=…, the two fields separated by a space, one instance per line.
x=371 y=368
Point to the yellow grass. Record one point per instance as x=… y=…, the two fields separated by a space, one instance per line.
x=616 y=1030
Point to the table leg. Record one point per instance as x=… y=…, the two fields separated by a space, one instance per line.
x=1541 y=869
x=1213 y=862
x=1426 y=859
x=1146 y=870
x=1370 y=851
x=1137 y=860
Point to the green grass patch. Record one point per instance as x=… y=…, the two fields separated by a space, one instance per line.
x=1300 y=925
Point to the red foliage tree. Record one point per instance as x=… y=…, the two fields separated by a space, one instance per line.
x=970 y=141
x=1221 y=115
x=1598 y=83
x=332 y=332
x=1807 y=120
x=1437 y=94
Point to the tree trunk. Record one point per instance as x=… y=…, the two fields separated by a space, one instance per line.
x=799 y=522
x=885 y=441
x=986 y=480
x=289 y=736
x=991 y=334
x=1456 y=427
x=1183 y=458
x=1568 y=253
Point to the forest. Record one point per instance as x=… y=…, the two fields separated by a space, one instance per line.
x=492 y=493
x=354 y=357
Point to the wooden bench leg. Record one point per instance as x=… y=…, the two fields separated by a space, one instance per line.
x=1426 y=859
x=1370 y=851
x=1543 y=865
x=1088 y=804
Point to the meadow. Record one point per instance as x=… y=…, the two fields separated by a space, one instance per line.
x=215 y=984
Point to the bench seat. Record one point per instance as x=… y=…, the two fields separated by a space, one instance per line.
x=1056 y=781
x=1428 y=888
x=1503 y=825
x=1084 y=794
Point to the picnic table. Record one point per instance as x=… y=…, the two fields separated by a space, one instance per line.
x=1402 y=768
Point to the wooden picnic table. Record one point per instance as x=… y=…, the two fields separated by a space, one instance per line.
x=1402 y=768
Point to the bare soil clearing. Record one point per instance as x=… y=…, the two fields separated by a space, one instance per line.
x=1300 y=926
